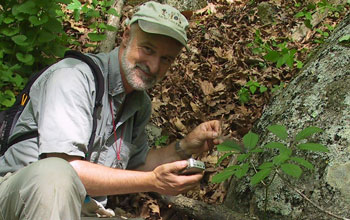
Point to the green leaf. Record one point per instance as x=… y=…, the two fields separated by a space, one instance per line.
x=308 y=24
x=277 y=160
x=7 y=98
x=242 y=170
x=303 y=162
x=278 y=130
x=114 y=12
x=225 y=174
x=266 y=165
x=229 y=145
x=20 y=40
x=36 y=21
x=307 y=132
x=93 y=14
x=281 y=61
x=282 y=148
x=308 y=16
x=250 y=140
x=292 y=169
x=242 y=157
x=259 y=176
x=8 y=20
x=111 y=28
x=76 y=14
x=252 y=89
x=226 y=155
x=28 y=59
x=257 y=150
x=9 y=31
x=54 y=26
x=96 y=37
x=299 y=14
x=272 y=56
x=28 y=7
x=74 y=5
x=299 y=64
x=263 y=89
x=45 y=36
x=289 y=60
x=313 y=147
x=275 y=145
x=64 y=1
x=344 y=38
x=243 y=95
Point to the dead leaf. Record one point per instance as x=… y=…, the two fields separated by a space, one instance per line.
x=194 y=107
x=220 y=87
x=207 y=87
x=179 y=125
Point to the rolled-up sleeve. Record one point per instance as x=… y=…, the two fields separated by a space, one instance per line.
x=63 y=102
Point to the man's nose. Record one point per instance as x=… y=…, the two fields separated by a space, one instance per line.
x=154 y=65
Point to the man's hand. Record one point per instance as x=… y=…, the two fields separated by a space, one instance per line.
x=169 y=182
x=202 y=138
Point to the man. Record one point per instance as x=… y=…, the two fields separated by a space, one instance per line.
x=50 y=177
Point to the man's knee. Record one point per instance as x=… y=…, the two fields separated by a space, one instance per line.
x=56 y=175
x=47 y=187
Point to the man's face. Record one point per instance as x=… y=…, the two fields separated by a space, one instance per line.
x=146 y=58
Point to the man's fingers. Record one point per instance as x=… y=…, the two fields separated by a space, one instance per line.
x=177 y=166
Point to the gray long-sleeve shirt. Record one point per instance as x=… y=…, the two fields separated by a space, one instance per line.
x=60 y=108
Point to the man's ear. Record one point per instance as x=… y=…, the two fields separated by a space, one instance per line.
x=126 y=36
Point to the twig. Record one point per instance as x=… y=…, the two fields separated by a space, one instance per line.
x=309 y=200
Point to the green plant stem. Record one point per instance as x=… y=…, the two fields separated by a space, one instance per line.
x=309 y=200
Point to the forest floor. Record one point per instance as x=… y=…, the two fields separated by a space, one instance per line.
x=230 y=73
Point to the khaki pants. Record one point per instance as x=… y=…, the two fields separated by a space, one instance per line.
x=48 y=189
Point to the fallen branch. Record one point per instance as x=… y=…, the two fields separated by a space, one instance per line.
x=200 y=210
x=108 y=44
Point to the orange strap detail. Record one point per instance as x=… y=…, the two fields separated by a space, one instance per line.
x=24 y=99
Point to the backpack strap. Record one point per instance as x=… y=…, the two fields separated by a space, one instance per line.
x=21 y=101
x=99 y=85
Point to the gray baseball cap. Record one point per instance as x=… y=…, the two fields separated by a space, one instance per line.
x=163 y=19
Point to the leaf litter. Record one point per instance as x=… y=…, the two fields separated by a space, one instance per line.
x=204 y=82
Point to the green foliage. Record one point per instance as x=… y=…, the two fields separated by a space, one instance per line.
x=27 y=31
x=250 y=89
x=307 y=11
x=274 y=52
x=282 y=156
x=32 y=36
x=323 y=34
x=345 y=40
x=94 y=14
x=162 y=140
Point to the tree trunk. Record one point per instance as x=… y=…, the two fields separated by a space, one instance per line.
x=319 y=96
x=108 y=44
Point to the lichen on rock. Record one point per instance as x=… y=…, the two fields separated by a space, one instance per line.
x=319 y=96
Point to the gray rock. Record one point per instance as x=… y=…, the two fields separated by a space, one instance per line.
x=319 y=96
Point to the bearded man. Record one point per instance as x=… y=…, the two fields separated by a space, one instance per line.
x=56 y=175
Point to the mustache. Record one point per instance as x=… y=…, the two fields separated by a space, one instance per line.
x=144 y=68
